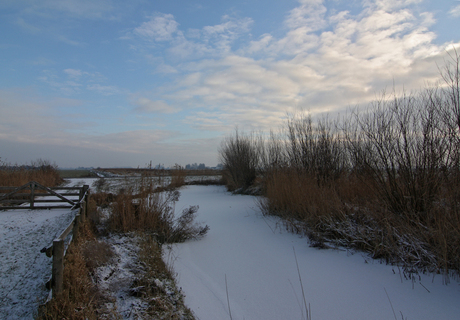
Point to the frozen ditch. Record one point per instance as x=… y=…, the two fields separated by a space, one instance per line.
x=252 y=259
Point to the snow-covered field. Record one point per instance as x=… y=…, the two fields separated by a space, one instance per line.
x=245 y=265
x=24 y=270
x=253 y=259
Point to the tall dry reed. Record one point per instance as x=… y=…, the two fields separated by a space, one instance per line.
x=40 y=170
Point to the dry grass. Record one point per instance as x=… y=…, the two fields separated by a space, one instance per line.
x=40 y=170
x=157 y=287
x=349 y=213
x=178 y=175
x=80 y=298
x=153 y=218
x=155 y=214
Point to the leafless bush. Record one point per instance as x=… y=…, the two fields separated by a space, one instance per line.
x=387 y=182
x=315 y=149
x=240 y=155
x=400 y=147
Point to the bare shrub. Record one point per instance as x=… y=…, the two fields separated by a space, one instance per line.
x=400 y=146
x=315 y=149
x=155 y=214
x=387 y=182
x=240 y=154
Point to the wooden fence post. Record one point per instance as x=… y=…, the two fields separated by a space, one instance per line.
x=88 y=196
x=83 y=210
x=32 y=194
x=58 y=267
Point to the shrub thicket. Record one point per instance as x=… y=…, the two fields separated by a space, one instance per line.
x=385 y=180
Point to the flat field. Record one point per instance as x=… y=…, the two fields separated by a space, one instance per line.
x=70 y=173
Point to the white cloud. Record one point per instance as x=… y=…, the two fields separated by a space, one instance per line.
x=65 y=39
x=76 y=81
x=303 y=24
x=166 y=68
x=74 y=73
x=104 y=90
x=27 y=118
x=215 y=40
x=149 y=106
x=221 y=36
x=455 y=11
x=326 y=61
x=159 y=28
x=309 y=16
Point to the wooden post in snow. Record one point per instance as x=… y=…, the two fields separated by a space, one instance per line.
x=57 y=281
x=32 y=194
x=83 y=210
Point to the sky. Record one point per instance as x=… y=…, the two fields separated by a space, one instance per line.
x=112 y=83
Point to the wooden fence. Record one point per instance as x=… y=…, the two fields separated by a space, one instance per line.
x=40 y=197
x=57 y=249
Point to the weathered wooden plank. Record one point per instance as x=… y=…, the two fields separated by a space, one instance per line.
x=48 y=200
x=58 y=267
x=35 y=207
x=52 y=192
x=14 y=201
x=67 y=230
x=26 y=186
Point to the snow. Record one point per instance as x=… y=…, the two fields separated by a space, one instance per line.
x=248 y=256
x=24 y=270
x=115 y=279
x=253 y=259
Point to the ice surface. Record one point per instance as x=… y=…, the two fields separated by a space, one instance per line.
x=256 y=256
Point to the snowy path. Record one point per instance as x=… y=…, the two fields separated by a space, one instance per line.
x=24 y=270
x=256 y=256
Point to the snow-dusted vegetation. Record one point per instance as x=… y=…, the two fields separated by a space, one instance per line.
x=245 y=267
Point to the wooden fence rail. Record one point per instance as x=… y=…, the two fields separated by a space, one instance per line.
x=40 y=197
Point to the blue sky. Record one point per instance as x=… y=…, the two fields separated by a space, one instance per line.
x=117 y=83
